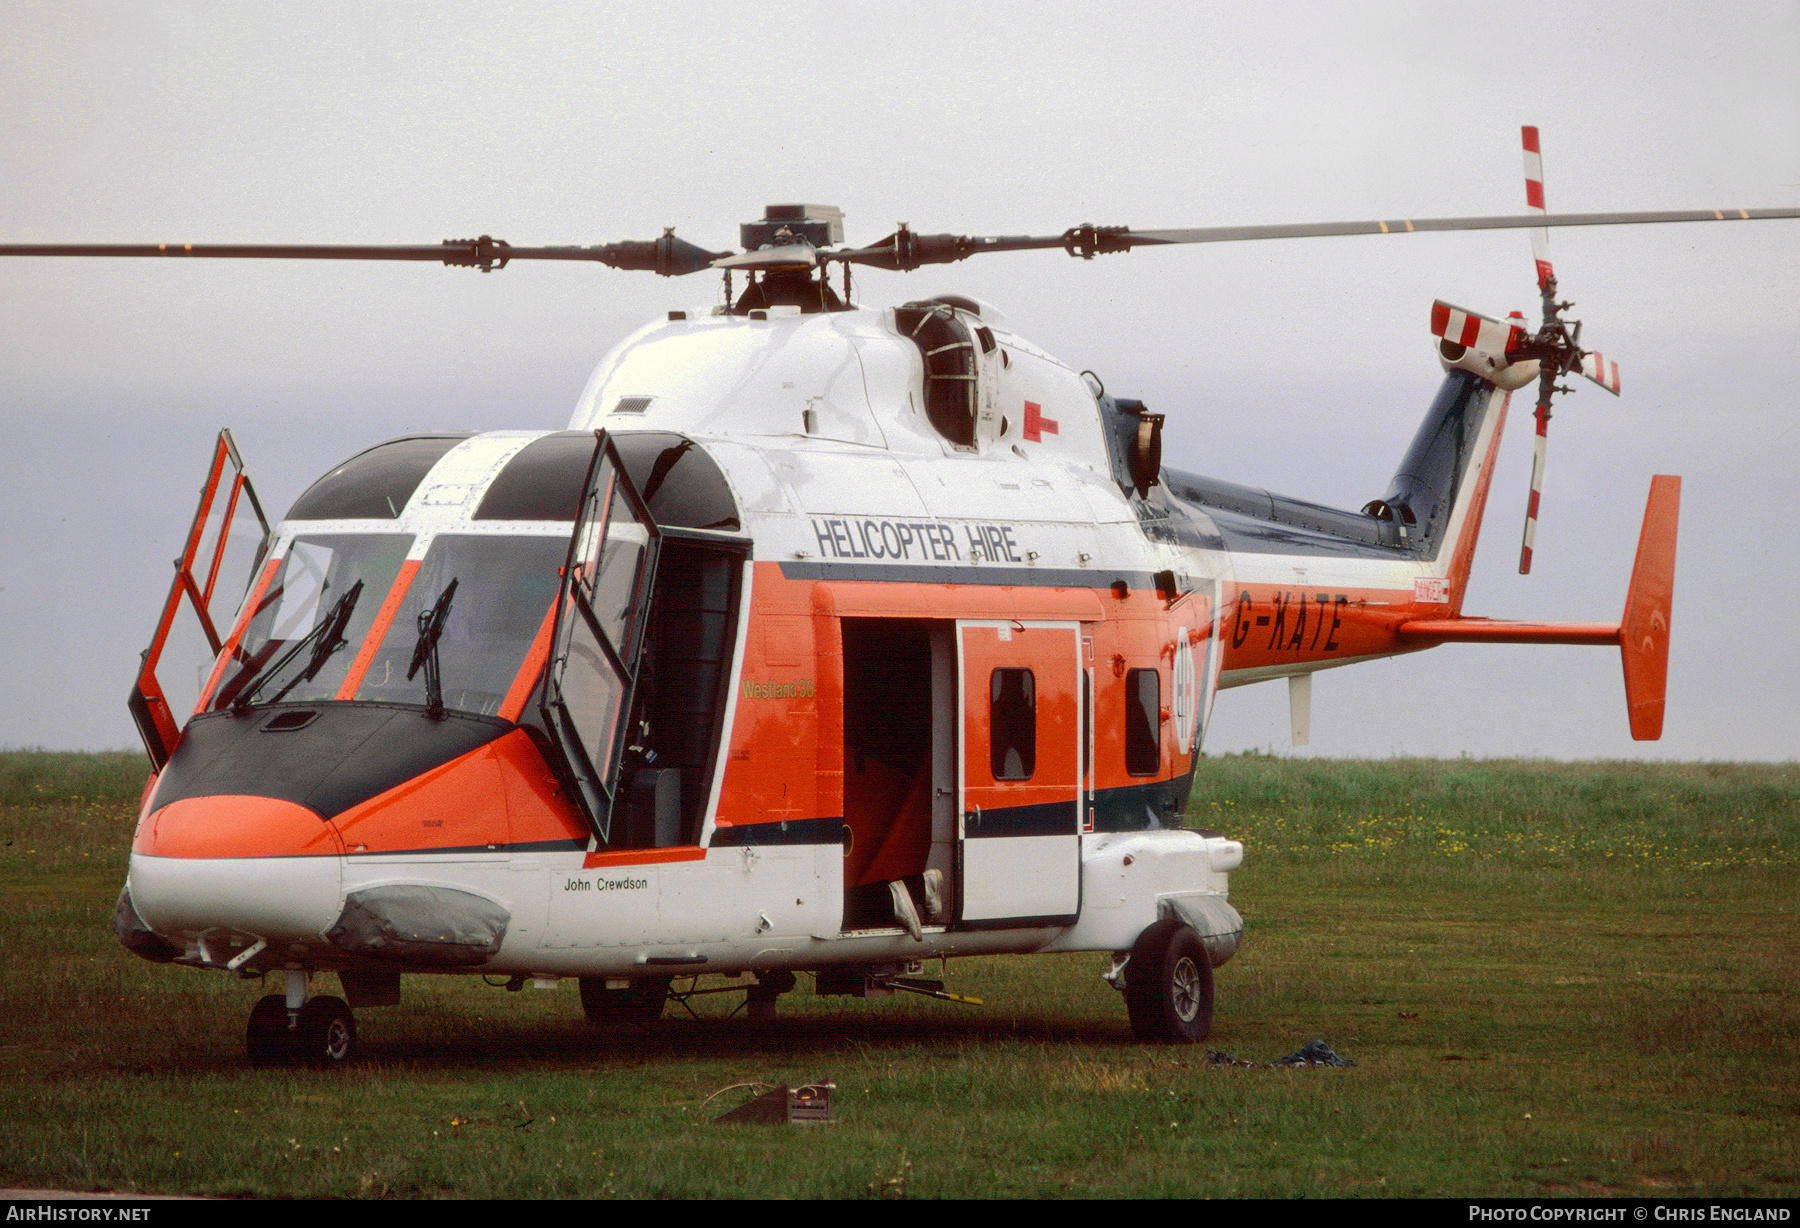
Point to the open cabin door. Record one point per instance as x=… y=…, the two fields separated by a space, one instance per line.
x=1020 y=772
x=600 y=616
x=225 y=546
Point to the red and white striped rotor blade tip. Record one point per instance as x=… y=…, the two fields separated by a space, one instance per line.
x=1480 y=333
x=1537 y=482
x=1602 y=370
x=1537 y=489
x=1534 y=203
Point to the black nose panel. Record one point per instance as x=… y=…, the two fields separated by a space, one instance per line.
x=327 y=757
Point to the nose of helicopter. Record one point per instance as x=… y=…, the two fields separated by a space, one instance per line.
x=257 y=865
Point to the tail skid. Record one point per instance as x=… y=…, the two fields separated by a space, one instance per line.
x=1642 y=632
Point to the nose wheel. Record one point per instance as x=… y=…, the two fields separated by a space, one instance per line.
x=321 y=1033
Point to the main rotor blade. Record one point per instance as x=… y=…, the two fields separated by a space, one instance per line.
x=904 y=250
x=668 y=255
x=901 y=251
x=1308 y=230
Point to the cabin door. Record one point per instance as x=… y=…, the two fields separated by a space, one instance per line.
x=1019 y=772
x=600 y=617
x=225 y=549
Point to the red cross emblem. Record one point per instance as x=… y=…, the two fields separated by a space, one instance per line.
x=1036 y=425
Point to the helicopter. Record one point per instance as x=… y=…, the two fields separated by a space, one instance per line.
x=825 y=640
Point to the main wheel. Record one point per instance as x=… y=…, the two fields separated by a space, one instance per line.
x=327 y=1032
x=639 y=1002
x=267 y=1039
x=1169 y=985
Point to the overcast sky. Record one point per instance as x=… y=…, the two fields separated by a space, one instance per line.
x=1302 y=366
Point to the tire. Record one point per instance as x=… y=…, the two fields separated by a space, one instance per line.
x=640 y=1002
x=267 y=1040
x=327 y=1032
x=1169 y=985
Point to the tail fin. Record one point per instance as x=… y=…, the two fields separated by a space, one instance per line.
x=1644 y=628
x=1440 y=489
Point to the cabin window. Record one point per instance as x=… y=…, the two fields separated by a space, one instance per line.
x=1012 y=724
x=1143 y=722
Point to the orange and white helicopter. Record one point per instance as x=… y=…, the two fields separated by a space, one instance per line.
x=825 y=639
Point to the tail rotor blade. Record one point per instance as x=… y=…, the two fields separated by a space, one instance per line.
x=1534 y=201
x=1539 y=448
x=1557 y=343
x=1602 y=370
x=1474 y=331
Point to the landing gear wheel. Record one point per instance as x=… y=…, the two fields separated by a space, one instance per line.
x=1169 y=985
x=759 y=1004
x=642 y=1001
x=267 y=1040
x=327 y=1034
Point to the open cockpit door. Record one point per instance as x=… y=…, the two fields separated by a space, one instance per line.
x=225 y=546
x=600 y=616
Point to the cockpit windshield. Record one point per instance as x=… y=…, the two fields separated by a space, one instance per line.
x=504 y=587
x=304 y=636
x=465 y=616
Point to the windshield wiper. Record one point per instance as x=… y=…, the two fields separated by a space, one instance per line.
x=431 y=628
x=326 y=637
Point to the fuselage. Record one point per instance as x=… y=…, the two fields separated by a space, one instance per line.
x=849 y=606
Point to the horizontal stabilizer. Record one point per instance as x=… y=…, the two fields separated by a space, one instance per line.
x=1642 y=634
x=1499 y=631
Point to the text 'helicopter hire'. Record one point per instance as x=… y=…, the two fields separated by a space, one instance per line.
x=825 y=639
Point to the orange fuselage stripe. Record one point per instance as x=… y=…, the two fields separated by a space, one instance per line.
x=383 y=619
x=251 y=606
x=526 y=679
x=642 y=857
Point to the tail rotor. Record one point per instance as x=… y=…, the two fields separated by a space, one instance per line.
x=1556 y=345
x=1508 y=354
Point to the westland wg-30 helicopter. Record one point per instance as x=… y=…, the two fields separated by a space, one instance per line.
x=825 y=639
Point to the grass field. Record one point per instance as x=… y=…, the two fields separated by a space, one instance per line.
x=1554 y=979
